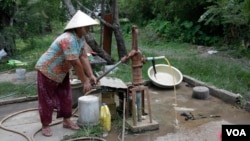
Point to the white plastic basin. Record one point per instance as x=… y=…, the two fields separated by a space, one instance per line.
x=165 y=76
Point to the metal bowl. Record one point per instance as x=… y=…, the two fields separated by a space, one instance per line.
x=165 y=76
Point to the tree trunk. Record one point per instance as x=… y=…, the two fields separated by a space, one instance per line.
x=117 y=31
x=7 y=38
x=89 y=38
x=70 y=8
x=115 y=27
x=93 y=44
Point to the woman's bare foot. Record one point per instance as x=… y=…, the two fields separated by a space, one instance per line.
x=46 y=131
x=67 y=123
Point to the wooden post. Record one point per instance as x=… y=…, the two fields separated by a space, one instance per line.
x=107 y=34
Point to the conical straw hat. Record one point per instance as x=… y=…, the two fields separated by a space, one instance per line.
x=80 y=19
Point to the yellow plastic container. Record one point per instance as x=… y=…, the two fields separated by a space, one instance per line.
x=105 y=118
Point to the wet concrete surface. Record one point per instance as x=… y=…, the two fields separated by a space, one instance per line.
x=203 y=128
x=163 y=111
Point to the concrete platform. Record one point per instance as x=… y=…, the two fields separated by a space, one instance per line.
x=220 y=102
x=27 y=122
x=142 y=126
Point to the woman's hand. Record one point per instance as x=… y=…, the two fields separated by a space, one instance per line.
x=93 y=79
x=86 y=86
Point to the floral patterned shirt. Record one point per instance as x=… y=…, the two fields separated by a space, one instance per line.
x=53 y=62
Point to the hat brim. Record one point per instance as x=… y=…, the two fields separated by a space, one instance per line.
x=80 y=19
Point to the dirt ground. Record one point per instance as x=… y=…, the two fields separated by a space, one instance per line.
x=11 y=76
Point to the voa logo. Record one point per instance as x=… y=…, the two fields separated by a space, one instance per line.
x=236 y=132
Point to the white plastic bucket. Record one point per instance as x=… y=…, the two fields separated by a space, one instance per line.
x=88 y=110
x=20 y=73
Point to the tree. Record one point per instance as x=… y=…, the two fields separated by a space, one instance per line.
x=26 y=19
x=8 y=9
x=115 y=26
x=117 y=31
x=233 y=15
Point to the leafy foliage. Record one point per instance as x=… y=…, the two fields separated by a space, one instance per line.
x=36 y=17
x=233 y=16
x=205 y=22
x=27 y=18
x=178 y=31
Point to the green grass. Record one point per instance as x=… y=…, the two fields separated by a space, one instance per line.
x=28 y=52
x=86 y=131
x=220 y=70
x=95 y=131
x=16 y=90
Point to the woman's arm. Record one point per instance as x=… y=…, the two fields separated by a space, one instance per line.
x=78 y=67
x=86 y=65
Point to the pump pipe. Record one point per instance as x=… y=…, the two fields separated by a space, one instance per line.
x=153 y=62
x=123 y=59
x=155 y=58
x=126 y=58
x=105 y=73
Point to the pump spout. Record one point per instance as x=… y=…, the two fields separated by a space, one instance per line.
x=155 y=58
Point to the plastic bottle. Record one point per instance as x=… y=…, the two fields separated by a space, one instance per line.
x=105 y=118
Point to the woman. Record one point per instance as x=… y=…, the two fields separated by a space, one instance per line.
x=54 y=89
